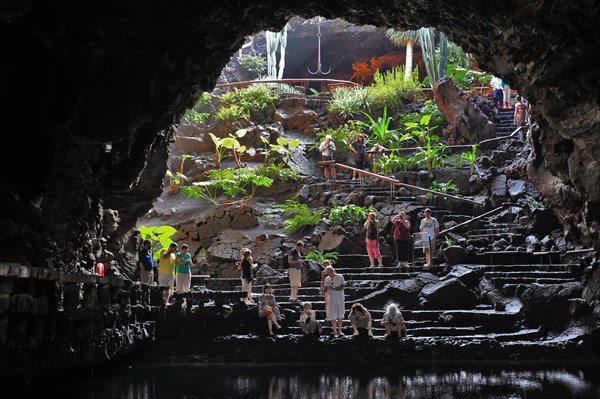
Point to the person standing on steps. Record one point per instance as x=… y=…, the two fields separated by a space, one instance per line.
x=248 y=266
x=334 y=286
x=268 y=308
x=506 y=90
x=496 y=84
x=359 y=148
x=402 y=238
x=183 y=270
x=166 y=270
x=146 y=263
x=372 y=243
x=520 y=115
x=322 y=287
x=430 y=228
x=295 y=262
x=327 y=150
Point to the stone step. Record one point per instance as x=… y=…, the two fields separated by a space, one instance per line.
x=500 y=281
x=519 y=267
x=529 y=274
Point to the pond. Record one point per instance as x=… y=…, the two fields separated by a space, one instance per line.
x=441 y=381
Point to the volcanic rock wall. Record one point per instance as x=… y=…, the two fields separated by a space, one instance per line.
x=93 y=91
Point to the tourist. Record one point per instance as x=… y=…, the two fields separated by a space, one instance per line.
x=334 y=286
x=308 y=320
x=268 y=308
x=371 y=227
x=506 y=90
x=430 y=228
x=402 y=238
x=520 y=115
x=393 y=321
x=359 y=148
x=183 y=271
x=322 y=285
x=496 y=84
x=295 y=262
x=248 y=266
x=374 y=153
x=327 y=150
x=166 y=270
x=360 y=318
x=145 y=262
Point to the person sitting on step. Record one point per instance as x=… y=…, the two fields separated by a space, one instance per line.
x=308 y=320
x=360 y=318
x=269 y=309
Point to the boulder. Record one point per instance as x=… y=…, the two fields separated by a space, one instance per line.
x=447 y=294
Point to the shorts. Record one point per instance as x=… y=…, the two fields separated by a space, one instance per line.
x=426 y=244
x=166 y=279
x=294 y=275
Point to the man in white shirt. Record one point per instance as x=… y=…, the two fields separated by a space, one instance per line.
x=327 y=149
x=430 y=228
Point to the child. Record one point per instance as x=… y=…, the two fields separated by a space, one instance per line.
x=308 y=320
x=268 y=308
x=393 y=321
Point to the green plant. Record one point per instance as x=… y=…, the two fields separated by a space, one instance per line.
x=380 y=129
x=160 y=236
x=446 y=243
x=231 y=113
x=227 y=184
x=193 y=117
x=177 y=179
x=283 y=148
x=342 y=214
x=534 y=203
x=320 y=257
x=302 y=217
x=277 y=171
x=435 y=59
x=469 y=159
x=392 y=162
x=447 y=188
x=254 y=65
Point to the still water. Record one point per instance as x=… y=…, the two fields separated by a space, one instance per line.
x=189 y=381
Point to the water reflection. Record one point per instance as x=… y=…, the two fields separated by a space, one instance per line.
x=339 y=382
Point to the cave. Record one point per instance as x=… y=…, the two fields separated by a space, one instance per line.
x=93 y=93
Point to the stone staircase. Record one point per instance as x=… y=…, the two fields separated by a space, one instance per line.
x=507 y=273
x=504 y=122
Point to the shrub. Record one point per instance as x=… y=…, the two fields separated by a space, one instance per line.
x=302 y=217
x=349 y=213
x=254 y=65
